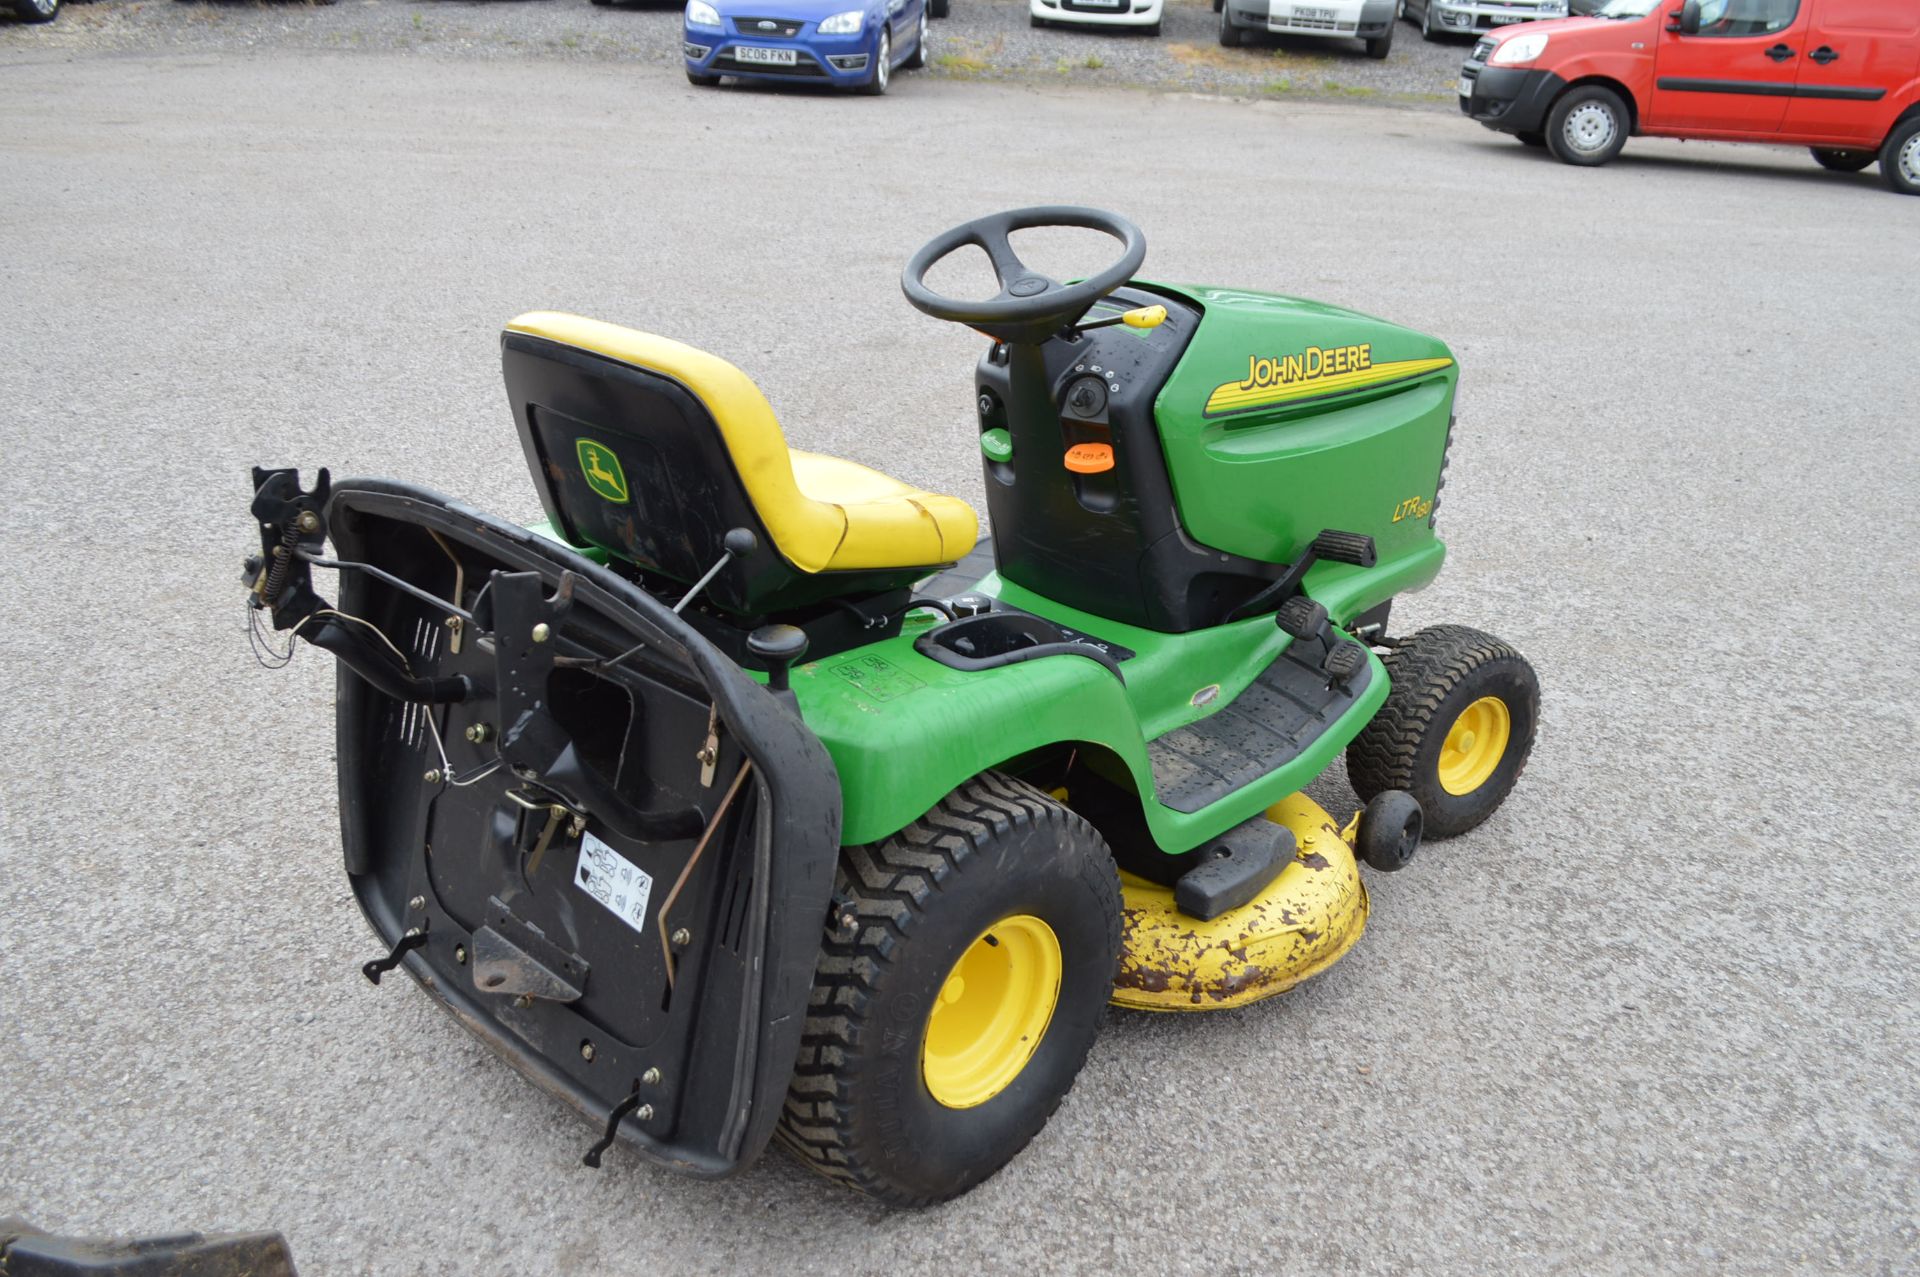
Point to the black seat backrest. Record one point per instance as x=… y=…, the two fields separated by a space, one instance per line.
x=631 y=461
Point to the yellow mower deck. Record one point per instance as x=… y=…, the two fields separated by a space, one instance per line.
x=1305 y=919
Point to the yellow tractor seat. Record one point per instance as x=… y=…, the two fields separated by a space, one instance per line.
x=653 y=450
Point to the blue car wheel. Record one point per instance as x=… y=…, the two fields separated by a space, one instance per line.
x=882 y=64
x=918 y=58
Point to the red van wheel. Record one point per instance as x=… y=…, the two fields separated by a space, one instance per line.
x=1900 y=157
x=1587 y=126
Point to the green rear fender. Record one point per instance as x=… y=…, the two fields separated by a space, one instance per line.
x=904 y=730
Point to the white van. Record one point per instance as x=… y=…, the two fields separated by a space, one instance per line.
x=1369 y=21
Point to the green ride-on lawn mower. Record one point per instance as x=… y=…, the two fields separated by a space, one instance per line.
x=724 y=805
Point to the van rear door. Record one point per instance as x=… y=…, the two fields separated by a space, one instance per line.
x=1859 y=54
x=1737 y=74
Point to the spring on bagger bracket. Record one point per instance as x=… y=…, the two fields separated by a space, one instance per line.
x=282 y=561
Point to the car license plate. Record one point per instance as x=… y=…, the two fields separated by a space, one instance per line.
x=1466 y=87
x=768 y=57
x=1099 y=4
x=1313 y=15
x=1502 y=20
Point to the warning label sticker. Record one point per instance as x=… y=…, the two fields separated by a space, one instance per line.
x=614 y=881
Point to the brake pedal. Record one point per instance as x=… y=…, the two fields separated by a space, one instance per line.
x=1344 y=661
x=1301 y=617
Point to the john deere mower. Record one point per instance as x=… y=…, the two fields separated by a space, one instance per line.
x=752 y=795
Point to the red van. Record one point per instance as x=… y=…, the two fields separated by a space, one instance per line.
x=1841 y=77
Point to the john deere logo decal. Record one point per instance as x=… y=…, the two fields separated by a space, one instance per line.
x=602 y=469
x=1311 y=374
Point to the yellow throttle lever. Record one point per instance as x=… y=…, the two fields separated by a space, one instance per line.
x=1139 y=317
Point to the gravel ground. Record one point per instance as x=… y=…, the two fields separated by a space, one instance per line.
x=1657 y=1016
x=984 y=39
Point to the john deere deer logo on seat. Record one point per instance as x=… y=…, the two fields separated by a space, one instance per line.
x=602 y=469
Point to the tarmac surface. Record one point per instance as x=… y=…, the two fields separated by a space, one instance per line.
x=1657 y=1016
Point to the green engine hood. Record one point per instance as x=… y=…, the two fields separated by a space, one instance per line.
x=1286 y=417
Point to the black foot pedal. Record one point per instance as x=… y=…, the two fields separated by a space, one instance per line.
x=1344 y=661
x=1345 y=547
x=405 y=945
x=1301 y=617
x=1234 y=868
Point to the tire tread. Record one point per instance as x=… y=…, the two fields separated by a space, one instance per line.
x=1424 y=670
x=882 y=891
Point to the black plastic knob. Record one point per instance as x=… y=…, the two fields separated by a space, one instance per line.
x=740 y=542
x=1087 y=397
x=778 y=646
x=970 y=605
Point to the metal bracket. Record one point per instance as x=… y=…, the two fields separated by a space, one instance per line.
x=630 y=1105
x=526 y=636
x=291 y=521
x=415 y=937
x=556 y=812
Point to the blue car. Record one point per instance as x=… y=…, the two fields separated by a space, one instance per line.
x=821 y=41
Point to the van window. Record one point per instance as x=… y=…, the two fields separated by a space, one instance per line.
x=1883 y=17
x=1746 y=17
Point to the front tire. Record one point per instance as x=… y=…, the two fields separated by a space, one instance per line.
x=882 y=66
x=1587 y=126
x=1428 y=31
x=1842 y=161
x=37 y=10
x=964 y=976
x=1456 y=730
x=1380 y=46
x=940 y=7
x=702 y=81
x=1231 y=37
x=1535 y=140
x=1900 y=158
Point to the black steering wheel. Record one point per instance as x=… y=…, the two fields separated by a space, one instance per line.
x=1029 y=307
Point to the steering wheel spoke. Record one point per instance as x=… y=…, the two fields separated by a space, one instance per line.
x=1029 y=306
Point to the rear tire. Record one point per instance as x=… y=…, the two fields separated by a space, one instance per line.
x=1842 y=161
x=911 y=913
x=918 y=58
x=1587 y=126
x=939 y=7
x=1456 y=730
x=1900 y=158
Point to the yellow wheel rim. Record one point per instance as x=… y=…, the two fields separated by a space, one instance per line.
x=991 y=1011
x=1475 y=744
